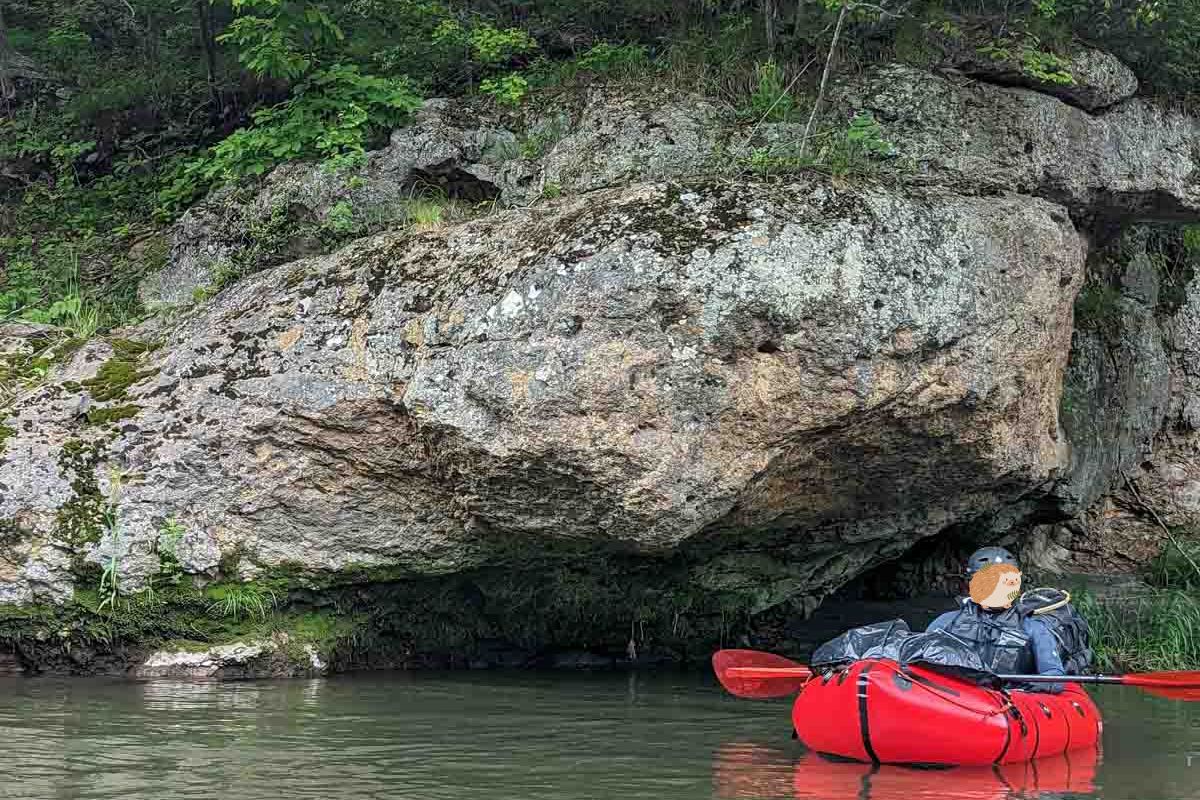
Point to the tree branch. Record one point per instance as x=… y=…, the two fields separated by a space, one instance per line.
x=837 y=32
x=1161 y=524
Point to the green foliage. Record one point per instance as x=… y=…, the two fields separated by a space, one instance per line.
x=279 y=38
x=341 y=218
x=1036 y=63
x=486 y=44
x=1045 y=66
x=424 y=213
x=606 y=58
x=508 y=90
x=858 y=149
x=170 y=571
x=1175 y=566
x=331 y=116
x=551 y=190
x=240 y=600
x=1191 y=240
x=109 y=588
x=1157 y=631
x=1098 y=307
x=770 y=100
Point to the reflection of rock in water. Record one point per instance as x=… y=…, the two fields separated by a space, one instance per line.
x=747 y=770
x=201 y=696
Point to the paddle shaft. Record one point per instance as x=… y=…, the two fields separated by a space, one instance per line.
x=1063 y=678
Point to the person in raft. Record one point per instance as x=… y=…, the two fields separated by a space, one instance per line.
x=1008 y=638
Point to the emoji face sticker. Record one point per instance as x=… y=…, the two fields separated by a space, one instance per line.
x=996 y=586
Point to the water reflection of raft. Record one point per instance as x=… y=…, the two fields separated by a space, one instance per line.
x=742 y=771
x=872 y=711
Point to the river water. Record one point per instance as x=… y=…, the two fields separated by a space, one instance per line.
x=525 y=736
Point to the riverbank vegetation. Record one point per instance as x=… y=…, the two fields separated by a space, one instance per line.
x=1157 y=628
x=118 y=115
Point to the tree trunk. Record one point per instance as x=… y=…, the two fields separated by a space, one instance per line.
x=769 y=9
x=210 y=52
x=7 y=91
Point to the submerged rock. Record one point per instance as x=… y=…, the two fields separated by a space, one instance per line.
x=276 y=657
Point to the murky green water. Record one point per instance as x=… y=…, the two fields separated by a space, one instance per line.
x=524 y=736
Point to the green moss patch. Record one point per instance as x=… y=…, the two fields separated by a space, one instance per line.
x=118 y=373
x=112 y=414
x=80 y=520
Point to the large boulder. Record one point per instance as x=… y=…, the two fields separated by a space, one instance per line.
x=840 y=371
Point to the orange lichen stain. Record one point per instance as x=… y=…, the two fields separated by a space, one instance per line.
x=288 y=338
x=358 y=345
x=520 y=385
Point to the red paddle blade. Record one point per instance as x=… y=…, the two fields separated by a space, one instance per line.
x=1189 y=695
x=1176 y=679
x=1177 y=685
x=727 y=664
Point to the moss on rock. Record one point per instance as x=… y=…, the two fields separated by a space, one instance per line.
x=117 y=374
x=80 y=519
x=106 y=416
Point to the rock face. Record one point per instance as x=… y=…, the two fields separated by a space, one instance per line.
x=1135 y=161
x=847 y=370
x=1118 y=385
x=451 y=150
x=1093 y=79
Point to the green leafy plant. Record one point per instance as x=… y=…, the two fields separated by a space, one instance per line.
x=508 y=90
x=280 y=38
x=1045 y=66
x=332 y=114
x=855 y=150
x=340 y=219
x=485 y=43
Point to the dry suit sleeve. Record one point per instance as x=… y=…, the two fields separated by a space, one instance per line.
x=1045 y=654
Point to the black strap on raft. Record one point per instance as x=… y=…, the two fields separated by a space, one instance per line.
x=863 y=725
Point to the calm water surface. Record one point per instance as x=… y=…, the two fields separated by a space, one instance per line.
x=524 y=736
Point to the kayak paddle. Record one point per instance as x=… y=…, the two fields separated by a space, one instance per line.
x=754 y=674
x=1181 y=685
x=751 y=673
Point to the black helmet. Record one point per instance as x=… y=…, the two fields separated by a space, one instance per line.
x=985 y=556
